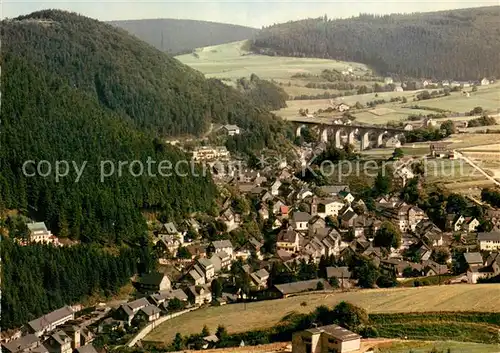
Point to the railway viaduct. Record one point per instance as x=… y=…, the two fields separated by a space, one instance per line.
x=329 y=130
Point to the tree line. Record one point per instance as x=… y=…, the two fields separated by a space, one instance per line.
x=456 y=44
x=39 y=278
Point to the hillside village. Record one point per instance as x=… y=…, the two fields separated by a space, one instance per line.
x=277 y=236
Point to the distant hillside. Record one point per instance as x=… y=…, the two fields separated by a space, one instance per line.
x=457 y=44
x=182 y=36
x=79 y=90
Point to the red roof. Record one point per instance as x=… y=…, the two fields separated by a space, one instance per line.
x=284 y=209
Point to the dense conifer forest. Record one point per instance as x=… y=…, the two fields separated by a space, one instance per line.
x=47 y=278
x=183 y=36
x=79 y=90
x=456 y=44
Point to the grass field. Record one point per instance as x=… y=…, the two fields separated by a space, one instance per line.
x=231 y=61
x=426 y=347
x=264 y=314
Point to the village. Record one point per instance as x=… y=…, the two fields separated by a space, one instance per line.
x=275 y=236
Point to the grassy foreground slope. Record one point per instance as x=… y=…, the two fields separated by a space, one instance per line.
x=264 y=314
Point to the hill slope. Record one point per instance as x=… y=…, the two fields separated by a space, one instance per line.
x=457 y=44
x=181 y=36
x=79 y=90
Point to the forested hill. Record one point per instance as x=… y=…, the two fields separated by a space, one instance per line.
x=457 y=44
x=182 y=36
x=79 y=90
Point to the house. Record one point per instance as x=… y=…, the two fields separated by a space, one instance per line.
x=398 y=89
x=210 y=341
x=199 y=295
x=432 y=268
x=485 y=82
x=153 y=282
x=404 y=174
x=445 y=83
x=169 y=237
x=221 y=261
x=439 y=150
x=40 y=234
x=207 y=153
x=408 y=127
x=148 y=313
x=470 y=224
x=251 y=246
x=167 y=295
x=222 y=245
x=341 y=273
x=303 y=193
x=406 y=217
x=27 y=343
x=489 y=241
x=259 y=278
x=196 y=276
x=287 y=289
x=50 y=321
x=478 y=269
x=346 y=196
x=300 y=220
x=329 y=207
x=231 y=130
x=229 y=218
x=275 y=186
x=333 y=190
x=347 y=219
x=128 y=310
x=288 y=240
x=326 y=339
x=197 y=250
x=207 y=268
x=392 y=142
x=435 y=239
x=58 y=342
x=388 y=80
x=341 y=107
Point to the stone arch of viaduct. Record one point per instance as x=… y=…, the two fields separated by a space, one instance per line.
x=334 y=133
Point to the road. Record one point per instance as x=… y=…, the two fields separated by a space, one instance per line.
x=475 y=166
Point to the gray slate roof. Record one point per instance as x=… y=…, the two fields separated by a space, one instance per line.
x=46 y=320
x=473 y=258
x=297 y=287
x=21 y=343
x=491 y=236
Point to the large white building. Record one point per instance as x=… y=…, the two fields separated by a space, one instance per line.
x=489 y=241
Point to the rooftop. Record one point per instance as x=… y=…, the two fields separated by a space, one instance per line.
x=473 y=258
x=46 y=320
x=491 y=236
x=302 y=286
x=340 y=333
x=154 y=278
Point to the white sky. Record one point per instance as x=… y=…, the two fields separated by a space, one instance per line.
x=255 y=13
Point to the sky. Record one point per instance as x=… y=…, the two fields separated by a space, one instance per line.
x=254 y=13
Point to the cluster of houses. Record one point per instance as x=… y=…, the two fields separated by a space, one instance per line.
x=56 y=332
x=444 y=83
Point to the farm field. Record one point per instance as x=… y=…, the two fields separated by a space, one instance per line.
x=425 y=347
x=241 y=317
x=487 y=97
x=232 y=61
